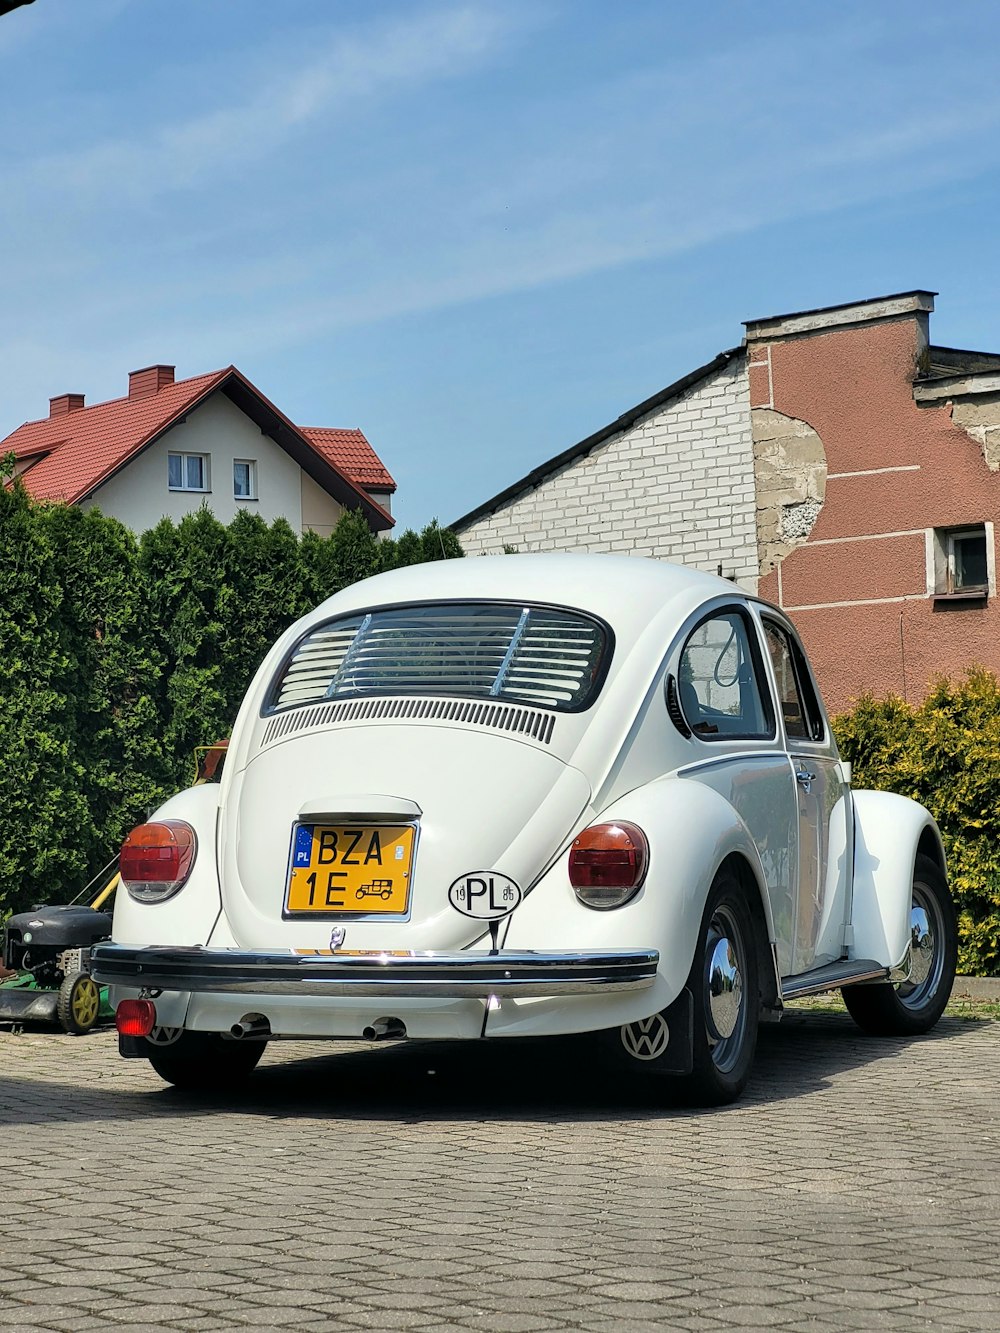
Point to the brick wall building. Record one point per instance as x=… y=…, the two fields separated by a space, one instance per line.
x=671 y=478
x=838 y=461
x=891 y=573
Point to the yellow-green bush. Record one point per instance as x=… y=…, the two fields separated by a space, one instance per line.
x=944 y=753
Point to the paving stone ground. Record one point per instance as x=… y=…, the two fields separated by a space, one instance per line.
x=504 y=1189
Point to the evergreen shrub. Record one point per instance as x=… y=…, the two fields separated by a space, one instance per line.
x=119 y=655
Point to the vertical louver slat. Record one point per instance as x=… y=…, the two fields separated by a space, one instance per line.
x=315 y=663
x=524 y=655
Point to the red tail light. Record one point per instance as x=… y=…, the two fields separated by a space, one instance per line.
x=607 y=863
x=156 y=859
x=135 y=1018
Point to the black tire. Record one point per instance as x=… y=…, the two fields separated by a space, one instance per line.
x=914 y=1006
x=205 y=1061
x=725 y=987
x=78 y=1005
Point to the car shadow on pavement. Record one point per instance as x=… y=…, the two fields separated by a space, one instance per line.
x=521 y=1080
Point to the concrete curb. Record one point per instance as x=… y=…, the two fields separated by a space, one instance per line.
x=977 y=988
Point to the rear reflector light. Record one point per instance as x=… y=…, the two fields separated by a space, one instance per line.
x=607 y=864
x=135 y=1018
x=156 y=859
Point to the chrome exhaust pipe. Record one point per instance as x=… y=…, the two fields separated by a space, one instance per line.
x=252 y=1027
x=385 y=1029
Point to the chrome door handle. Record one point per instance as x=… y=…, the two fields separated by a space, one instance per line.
x=805 y=778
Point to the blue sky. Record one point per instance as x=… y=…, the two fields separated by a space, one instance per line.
x=478 y=230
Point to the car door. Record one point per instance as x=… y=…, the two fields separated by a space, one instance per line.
x=725 y=695
x=825 y=832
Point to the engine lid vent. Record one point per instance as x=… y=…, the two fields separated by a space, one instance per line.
x=528 y=722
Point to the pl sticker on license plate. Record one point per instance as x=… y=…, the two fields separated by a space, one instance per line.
x=485 y=894
x=361 y=868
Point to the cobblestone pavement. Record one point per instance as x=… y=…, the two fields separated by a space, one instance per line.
x=504 y=1188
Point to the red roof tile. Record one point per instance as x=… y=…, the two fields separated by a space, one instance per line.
x=78 y=450
x=351 y=452
x=84 y=447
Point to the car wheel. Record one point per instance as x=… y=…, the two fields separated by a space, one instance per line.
x=205 y=1061
x=79 y=1003
x=725 y=989
x=915 y=1005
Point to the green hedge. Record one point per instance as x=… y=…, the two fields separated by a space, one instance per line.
x=118 y=655
x=944 y=753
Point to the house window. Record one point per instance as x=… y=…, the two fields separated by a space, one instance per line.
x=244 y=479
x=962 y=561
x=187 y=472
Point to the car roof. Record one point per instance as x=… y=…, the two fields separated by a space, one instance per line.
x=626 y=591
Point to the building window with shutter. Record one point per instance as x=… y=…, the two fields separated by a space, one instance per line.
x=187 y=472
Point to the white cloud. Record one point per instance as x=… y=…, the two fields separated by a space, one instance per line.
x=355 y=68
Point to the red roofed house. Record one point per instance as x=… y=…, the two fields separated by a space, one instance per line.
x=172 y=445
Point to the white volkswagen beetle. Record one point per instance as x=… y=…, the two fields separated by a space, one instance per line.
x=528 y=796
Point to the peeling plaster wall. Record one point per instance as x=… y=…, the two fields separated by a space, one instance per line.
x=862 y=588
x=789 y=464
x=980 y=419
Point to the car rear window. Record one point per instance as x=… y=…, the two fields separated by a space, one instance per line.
x=525 y=654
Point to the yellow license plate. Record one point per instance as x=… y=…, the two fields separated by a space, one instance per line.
x=358 y=868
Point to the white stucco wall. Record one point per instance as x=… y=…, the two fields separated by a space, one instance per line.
x=320 y=511
x=139 y=494
x=678 y=485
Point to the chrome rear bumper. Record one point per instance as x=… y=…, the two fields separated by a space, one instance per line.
x=239 y=971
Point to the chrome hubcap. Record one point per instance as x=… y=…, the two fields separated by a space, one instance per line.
x=725 y=1007
x=926 y=949
x=921 y=945
x=725 y=989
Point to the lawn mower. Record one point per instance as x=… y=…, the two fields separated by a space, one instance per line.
x=48 y=951
x=45 y=967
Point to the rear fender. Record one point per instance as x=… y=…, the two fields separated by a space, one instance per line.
x=187 y=917
x=889 y=830
x=691 y=830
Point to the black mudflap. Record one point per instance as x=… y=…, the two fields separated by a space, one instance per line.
x=133 y=1048
x=660 y=1044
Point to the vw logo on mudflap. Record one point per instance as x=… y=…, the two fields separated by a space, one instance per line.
x=646 y=1039
x=164 y=1036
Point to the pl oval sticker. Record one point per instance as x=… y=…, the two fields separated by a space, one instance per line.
x=484 y=894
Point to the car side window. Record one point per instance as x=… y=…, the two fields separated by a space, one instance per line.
x=723 y=693
x=796 y=696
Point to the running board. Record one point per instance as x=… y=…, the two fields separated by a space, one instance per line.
x=842 y=973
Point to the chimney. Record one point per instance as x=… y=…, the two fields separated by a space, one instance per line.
x=66 y=402
x=144 y=383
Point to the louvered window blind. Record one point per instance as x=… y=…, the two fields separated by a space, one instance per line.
x=527 y=654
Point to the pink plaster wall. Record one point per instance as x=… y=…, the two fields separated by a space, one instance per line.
x=886 y=567
x=854 y=387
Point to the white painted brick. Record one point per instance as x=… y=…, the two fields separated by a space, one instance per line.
x=677 y=485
